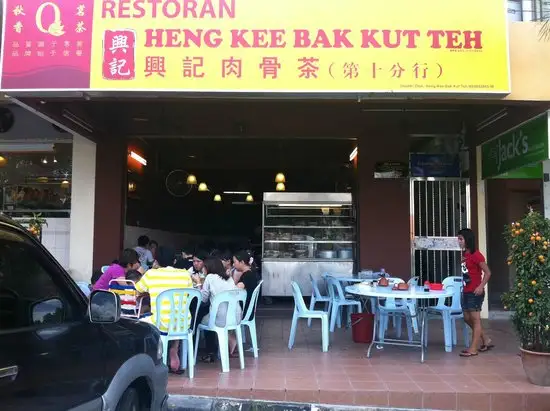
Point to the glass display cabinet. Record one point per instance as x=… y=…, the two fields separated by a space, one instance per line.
x=303 y=234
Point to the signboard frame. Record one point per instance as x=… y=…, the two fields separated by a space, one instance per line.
x=503 y=87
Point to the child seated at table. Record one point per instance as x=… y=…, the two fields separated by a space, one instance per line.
x=132 y=305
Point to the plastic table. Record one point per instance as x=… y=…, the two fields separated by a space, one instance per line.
x=413 y=293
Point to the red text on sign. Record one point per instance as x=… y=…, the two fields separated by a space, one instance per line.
x=211 y=38
x=271 y=39
x=455 y=39
x=187 y=9
x=390 y=39
x=321 y=39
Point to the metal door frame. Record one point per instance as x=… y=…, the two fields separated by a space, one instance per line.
x=412 y=211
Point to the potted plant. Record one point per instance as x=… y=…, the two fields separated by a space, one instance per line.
x=529 y=298
x=35 y=224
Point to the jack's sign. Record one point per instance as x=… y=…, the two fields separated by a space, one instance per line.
x=517 y=148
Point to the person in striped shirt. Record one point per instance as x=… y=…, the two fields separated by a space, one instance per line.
x=154 y=282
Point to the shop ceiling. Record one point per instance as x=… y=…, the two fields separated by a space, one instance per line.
x=271 y=119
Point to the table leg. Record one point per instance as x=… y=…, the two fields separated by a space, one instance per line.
x=374 y=330
x=422 y=335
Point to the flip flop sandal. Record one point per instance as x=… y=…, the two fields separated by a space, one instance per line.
x=485 y=348
x=177 y=372
x=464 y=351
x=468 y=354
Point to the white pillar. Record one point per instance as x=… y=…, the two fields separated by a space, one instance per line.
x=482 y=223
x=82 y=209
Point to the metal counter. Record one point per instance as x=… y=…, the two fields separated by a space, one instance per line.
x=278 y=273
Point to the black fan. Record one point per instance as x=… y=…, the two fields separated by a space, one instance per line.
x=176 y=183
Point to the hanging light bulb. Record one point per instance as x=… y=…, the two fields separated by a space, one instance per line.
x=65 y=184
x=280 y=187
x=132 y=187
x=249 y=198
x=203 y=187
x=3 y=161
x=55 y=160
x=44 y=160
x=191 y=179
x=217 y=198
x=280 y=178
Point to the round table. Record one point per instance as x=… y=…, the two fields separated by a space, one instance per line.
x=413 y=293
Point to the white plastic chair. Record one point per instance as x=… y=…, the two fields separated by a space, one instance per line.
x=317 y=297
x=231 y=302
x=301 y=311
x=130 y=300
x=249 y=320
x=449 y=314
x=179 y=325
x=339 y=300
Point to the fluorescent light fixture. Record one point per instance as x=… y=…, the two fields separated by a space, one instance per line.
x=244 y=193
x=138 y=158
x=353 y=154
x=77 y=121
x=26 y=148
x=310 y=205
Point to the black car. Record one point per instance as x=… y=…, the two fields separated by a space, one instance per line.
x=61 y=351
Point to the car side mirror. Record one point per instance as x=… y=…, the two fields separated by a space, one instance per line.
x=48 y=311
x=104 y=307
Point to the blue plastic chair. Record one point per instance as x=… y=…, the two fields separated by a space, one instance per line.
x=179 y=325
x=449 y=314
x=84 y=287
x=301 y=311
x=249 y=320
x=230 y=301
x=339 y=300
x=317 y=297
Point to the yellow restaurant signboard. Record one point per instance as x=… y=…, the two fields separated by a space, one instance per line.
x=308 y=46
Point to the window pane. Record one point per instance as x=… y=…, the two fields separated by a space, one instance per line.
x=28 y=294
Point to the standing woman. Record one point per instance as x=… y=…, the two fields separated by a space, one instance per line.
x=244 y=263
x=476 y=275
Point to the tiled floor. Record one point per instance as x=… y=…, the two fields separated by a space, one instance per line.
x=394 y=376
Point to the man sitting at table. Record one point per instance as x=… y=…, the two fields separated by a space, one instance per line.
x=154 y=282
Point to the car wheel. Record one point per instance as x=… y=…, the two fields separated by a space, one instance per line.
x=129 y=401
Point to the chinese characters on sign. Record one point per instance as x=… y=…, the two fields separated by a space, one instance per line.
x=119 y=61
x=49 y=43
x=122 y=66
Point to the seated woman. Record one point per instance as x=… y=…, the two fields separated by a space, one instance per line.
x=217 y=280
x=227 y=261
x=244 y=262
x=128 y=261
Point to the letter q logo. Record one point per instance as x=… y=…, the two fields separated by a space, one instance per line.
x=56 y=27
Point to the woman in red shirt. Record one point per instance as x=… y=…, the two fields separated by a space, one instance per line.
x=476 y=275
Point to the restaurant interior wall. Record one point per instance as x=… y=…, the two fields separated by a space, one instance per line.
x=237 y=167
